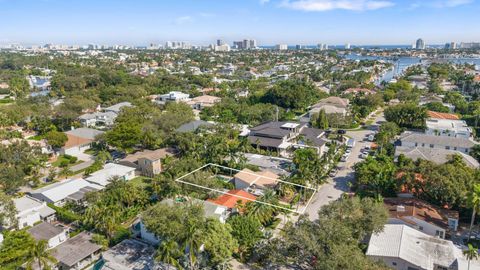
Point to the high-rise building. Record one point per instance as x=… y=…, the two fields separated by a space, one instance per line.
x=245 y=44
x=347 y=46
x=420 y=44
x=281 y=47
x=222 y=48
x=322 y=46
x=451 y=46
x=298 y=47
x=220 y=42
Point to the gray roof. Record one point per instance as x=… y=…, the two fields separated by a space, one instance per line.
x=436 y=155
x=87 y=133
x=313 y=135
x=265 y=142
x=272 y=129
x=75 y=249
x=117 y=107
x=131 y=254
x=415 y=137
x=415 y=247
x=193 y=126
x=44 y=231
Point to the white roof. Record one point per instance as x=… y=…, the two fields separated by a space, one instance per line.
x=415 y=247
x=61 y=190
x=26 y=203
x=102 y=177
x=447 y=124
x=290 y=125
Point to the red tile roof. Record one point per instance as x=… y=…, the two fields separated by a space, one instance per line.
x=230 y=201
x=439 y=115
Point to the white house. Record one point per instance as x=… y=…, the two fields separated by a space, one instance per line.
x=67 y=190
x=54 y=235
x=415 y=139
x=173 y=96
x=31 y=211
x=448 y=127
x=403 y=248
x=110 y=170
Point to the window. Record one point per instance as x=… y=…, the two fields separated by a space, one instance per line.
x=431 y=145
x=394 y=263
x=455 y=148
x=416 y=144
x=423 y=145
x=447 y=147
x=412 y=268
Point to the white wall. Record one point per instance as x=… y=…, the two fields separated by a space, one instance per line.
x=28 y=219
x=400 y=264
x=427 y=228
x=57 y=240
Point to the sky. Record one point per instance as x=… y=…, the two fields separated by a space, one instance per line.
x=201 y=22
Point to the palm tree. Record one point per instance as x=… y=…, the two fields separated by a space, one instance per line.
x=168 y=252
x=261 y=211
x=471 y=254
x=40 y=256
x=191 y=243
x=474 y=202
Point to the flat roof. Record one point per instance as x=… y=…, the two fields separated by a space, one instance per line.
x=75 y=249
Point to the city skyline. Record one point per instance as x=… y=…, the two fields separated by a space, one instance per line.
x=270 y=22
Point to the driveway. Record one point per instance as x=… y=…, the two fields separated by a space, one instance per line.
x=336 y=186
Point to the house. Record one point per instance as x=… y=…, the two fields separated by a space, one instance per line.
x=67 y=190
x=173 y=96
x=31 y=210
x=131 y=254
x=54 y=235
x=330 y=105
x=233 y=198
x=77 y=252
x=106 y=117
x=440 y=115
x=211 y=210
x=193 y=126
x=109 y=171
x=416 y=139
x=148 y=162
x=401 y=247
x=421 y=216
x=435 y=155
x=205 y=101
x=117 y=107
x=97 y=119
x=279 y=136
x=79 y=140
x=356 y=91
x=448 y=127
x=255 y=182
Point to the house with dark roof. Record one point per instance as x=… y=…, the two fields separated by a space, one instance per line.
x=282 y=136
x=421 y=216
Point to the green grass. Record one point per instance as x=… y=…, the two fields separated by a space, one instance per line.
x=140 y=181
x=6 y=101
x=36 y=137
x=61 y=159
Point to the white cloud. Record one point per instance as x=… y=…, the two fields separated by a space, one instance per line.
x=326 y=5
x=441 y=3
x=183 y=20
x=264 y=1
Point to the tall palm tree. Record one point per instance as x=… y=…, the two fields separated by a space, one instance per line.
x=471 y=254
x=191 y=243
x=474 y=202
x=169 y=252
x=263 y=212
x=40 y=257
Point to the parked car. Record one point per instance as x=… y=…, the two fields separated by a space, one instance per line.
x=342 y=131
x=364 y=155
x=333 y=173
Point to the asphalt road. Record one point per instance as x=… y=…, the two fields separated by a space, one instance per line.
x=336 y=186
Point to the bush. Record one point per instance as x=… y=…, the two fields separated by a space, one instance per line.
x=120 y=235
x=64 y=215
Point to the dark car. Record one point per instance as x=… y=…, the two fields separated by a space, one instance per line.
x=342 y=131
